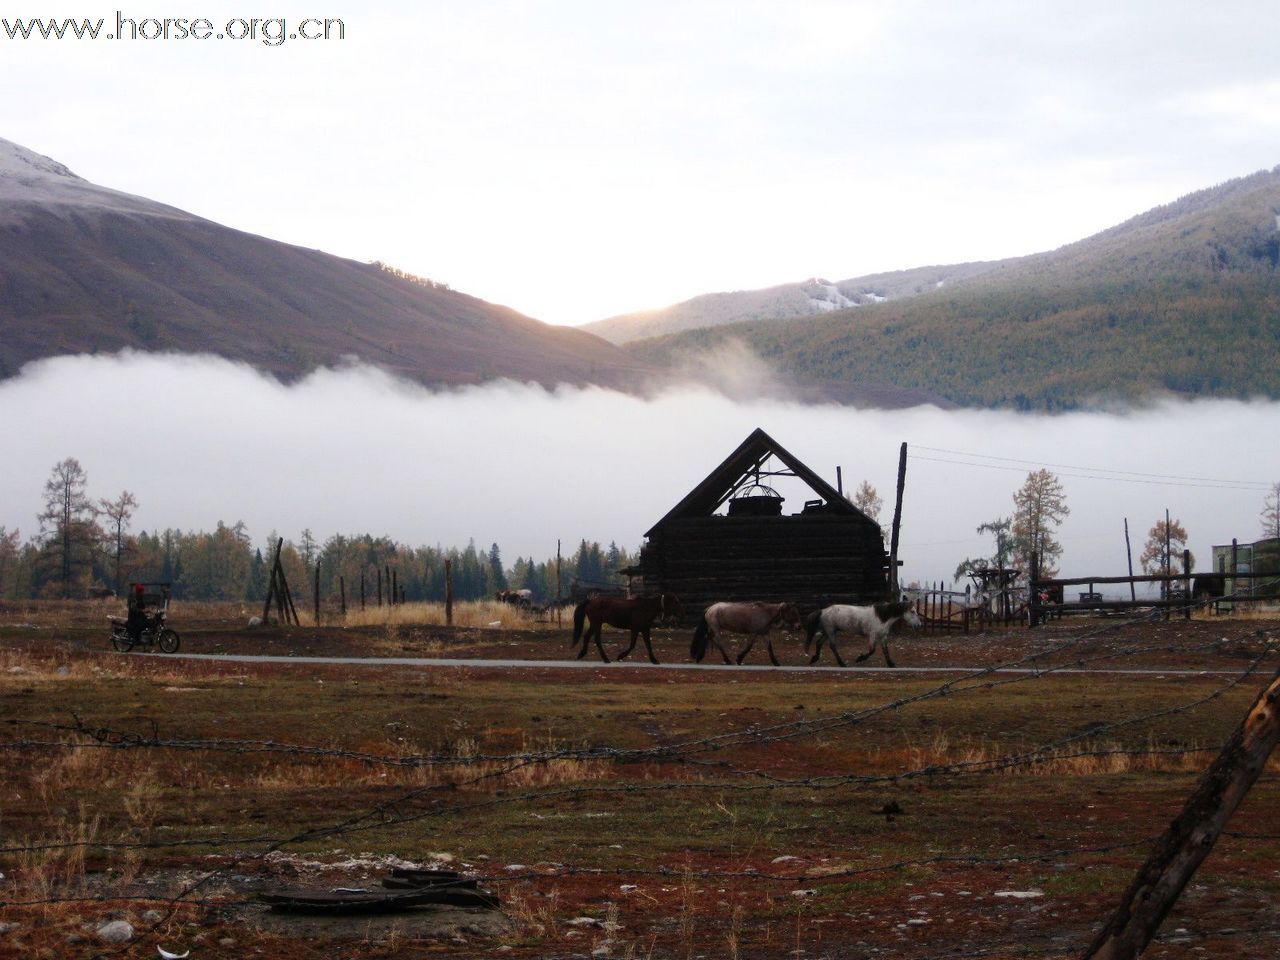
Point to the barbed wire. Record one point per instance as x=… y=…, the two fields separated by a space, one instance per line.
x=406 y=807
x=1044 y=753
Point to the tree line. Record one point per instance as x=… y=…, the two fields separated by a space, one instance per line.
x=85 y=547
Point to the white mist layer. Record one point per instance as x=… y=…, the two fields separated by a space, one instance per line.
x=199 y=440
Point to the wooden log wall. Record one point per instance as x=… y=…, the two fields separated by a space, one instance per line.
x=810 y=560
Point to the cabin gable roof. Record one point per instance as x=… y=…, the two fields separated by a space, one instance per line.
x=707 y=497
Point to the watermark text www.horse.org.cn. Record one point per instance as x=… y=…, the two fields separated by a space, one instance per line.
x=271 y=31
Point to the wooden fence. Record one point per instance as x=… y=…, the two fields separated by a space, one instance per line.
x=1178 y=596
x=948 y=611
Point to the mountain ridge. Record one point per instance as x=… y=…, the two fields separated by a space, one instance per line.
x=86 y=269
x=1178 y=300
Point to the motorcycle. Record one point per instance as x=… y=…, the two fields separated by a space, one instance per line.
x=154 y=633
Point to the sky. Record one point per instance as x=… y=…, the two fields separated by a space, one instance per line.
x=576 y=160
x=523 y=467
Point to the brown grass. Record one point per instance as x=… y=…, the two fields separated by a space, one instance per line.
x=476 y=613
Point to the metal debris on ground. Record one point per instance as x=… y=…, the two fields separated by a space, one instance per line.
x=404 y=889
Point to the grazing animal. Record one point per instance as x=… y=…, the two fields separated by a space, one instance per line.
x=517 y=598
x=872 y=622
x=636 y=614
x=753 y=618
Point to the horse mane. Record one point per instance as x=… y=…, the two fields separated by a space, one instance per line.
x=886 y=611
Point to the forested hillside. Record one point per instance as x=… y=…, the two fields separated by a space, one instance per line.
x=1182 y=300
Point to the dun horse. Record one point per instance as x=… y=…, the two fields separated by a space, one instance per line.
x=872 y=622
x=752 y=618
x=636 y=615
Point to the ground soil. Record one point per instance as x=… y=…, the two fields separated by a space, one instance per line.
x=661 y=858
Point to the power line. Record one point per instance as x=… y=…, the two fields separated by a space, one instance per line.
x=1247 y=485
x=1069 y=466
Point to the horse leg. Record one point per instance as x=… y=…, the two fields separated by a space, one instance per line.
x=600 y=646
x=586 y=641
x=625 y=653
x=884 y=646
x=648 y=646
x=870 y=650
x=819 y=639
x=835 y=651
x=715 y=638
x=751 y=642
x=773 y=657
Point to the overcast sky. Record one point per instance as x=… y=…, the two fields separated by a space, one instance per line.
x=579 y=159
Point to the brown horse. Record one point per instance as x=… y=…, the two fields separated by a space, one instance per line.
x=636 y=614
x=752 y=618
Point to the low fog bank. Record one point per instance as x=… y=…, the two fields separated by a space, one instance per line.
x=199 y=440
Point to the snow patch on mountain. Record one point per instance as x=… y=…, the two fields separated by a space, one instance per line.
x=825 y=296
x=30 y=178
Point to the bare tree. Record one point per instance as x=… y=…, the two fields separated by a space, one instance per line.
x=68 y=521
x=1270 y=515
x=119 y=511
x=1039 y=507
x=1156 y=560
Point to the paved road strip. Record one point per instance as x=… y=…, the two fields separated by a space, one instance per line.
x=629 y=665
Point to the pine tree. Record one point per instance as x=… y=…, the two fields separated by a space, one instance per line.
x=1039 y=507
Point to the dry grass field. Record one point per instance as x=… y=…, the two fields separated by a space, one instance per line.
x=618 y=811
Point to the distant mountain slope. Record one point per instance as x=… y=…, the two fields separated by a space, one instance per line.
x=807 y=299
x=1180 y=300
x=85 y=269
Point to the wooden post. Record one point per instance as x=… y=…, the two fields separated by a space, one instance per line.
x=1192 y=834
x=275 y=562
x=1235 y=568
x=1186 y=580
x=1128 y=549
x=1168 y=563
x=1033 y=591
x=379 y=586
x=839 y=482
x=897 y=521
x=342 y=594
x=448 y=592
x=1005 y=610
x=395 y=586
x=390 y=596
x=559 y=612
x=361 y=589
x=317 y=594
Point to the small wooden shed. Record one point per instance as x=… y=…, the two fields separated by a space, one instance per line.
x=828 y=551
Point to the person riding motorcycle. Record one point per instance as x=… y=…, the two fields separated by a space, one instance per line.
x=138 y=619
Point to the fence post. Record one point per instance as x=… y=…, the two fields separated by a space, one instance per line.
x=448 y=592
x=1186 y=574
x=342 y=594
x=897 y=523
x=317 y=595
x=1191 y=836
x=1033 y=592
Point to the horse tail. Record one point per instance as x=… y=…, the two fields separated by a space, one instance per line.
x=701 y=637
x=579 y=617
x=812 y=623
